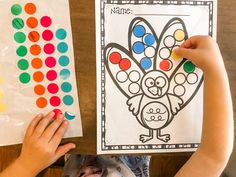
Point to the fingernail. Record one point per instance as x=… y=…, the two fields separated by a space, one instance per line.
x=40 y=115
x=66 y=122
x=74 y=146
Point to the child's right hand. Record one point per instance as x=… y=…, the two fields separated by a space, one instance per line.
x=203 y=51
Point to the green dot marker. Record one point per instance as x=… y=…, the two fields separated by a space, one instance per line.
x=68 y=100
x=18 y=23
x=21 y=51
x=16 y=9
x=66 y=87
x=25 y=78
x=64 y=60
x=65 y=74
x=189 y=67
x=20 y=37
x=23 y=64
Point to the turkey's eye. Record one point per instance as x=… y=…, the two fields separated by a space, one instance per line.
x=160 y=82
x=150 y=82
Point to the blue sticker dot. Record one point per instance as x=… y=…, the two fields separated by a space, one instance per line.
x=146 y=63
x=62 y=47
x=68 y=100
x=138 y=47
x=64 y=60
x=65 y=74
x=61 y=34
x=69 y=116
x=149 y=39
x=66 y=87
x=139 y=31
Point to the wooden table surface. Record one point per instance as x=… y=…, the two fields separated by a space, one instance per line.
x=83 y=27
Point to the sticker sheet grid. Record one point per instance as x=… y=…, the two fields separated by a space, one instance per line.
x=116 y=58
x=34 y=57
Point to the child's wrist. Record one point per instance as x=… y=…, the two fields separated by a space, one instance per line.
x=26 y=168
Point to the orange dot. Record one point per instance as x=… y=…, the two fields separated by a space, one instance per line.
x=41 y=102
x=37 y=63
x=39 y=89
x=32 y=22
x=35 y=49
x=30 y=8
x=33 y=36
x=38 y=76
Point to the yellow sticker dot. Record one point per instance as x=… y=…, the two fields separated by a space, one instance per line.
x=175 y=56
x=3 y=107
x=179 y=35
x=1 y=94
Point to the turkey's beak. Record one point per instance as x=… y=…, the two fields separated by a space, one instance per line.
x=155 y=91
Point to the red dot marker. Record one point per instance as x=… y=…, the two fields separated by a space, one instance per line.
x=57 y=112
x=115 y=58
x=46 y=21
x=125 y=64
x=53 y=88
x=55 y=101
x=51 y=75
x=165 y=65
x=47 y=35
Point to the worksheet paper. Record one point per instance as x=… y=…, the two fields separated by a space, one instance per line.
x=37 y=70
x=149 y=99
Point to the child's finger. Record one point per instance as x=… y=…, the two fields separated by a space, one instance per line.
x=190 y=54
x=56 y=139
x=32 y=125
x=42 y=125
x=51 y=129
x=62 y=150
x=192 y=42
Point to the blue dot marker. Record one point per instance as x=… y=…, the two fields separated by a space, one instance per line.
x=62 y=47
x=68 y=100
x=64 y=61
x=146 y=63
x=139 y=31
x=61 y=34
x=66 y=87
x=149 y=39
x=138 y=47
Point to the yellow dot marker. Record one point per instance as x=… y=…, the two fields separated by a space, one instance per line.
x=175 y=56
x=3 y=107
x=179 y=35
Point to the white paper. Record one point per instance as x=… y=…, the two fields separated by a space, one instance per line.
x=18 y=100
x=148 y=99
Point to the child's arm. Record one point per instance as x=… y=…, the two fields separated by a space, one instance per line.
x=217 y=134
x=40 y=147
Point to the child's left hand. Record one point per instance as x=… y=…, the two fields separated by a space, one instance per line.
x=41 y=143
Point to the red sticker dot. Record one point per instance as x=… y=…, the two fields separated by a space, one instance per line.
x=57 y=112
x=55 y=101
x=49 y=49
x=46 y=21
x=165 y=65
x=53 y=88
x=47 y=35
x=125 y=64
x=115 y=58
x=50 y=62
x=51 y=75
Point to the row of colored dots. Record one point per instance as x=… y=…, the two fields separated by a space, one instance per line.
x=116 y=58
x=29 y=8
x=34 y=36
x=38 y=76
x=50 y=62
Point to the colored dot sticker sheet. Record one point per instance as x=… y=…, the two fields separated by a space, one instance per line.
x=149 y=99
x=37 y=70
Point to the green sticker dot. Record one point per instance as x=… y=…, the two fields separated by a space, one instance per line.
x=189 y=67
x=21 y=51
x=18 y=23
x=65 y=74
x=20 y=37
x=66 y=87
x=64 y=60
x=68 y=100
x=23 y=64
x=16 y=9
x=25 y=78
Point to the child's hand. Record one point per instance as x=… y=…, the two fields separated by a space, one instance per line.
x=203 y=51
x=40 y=147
